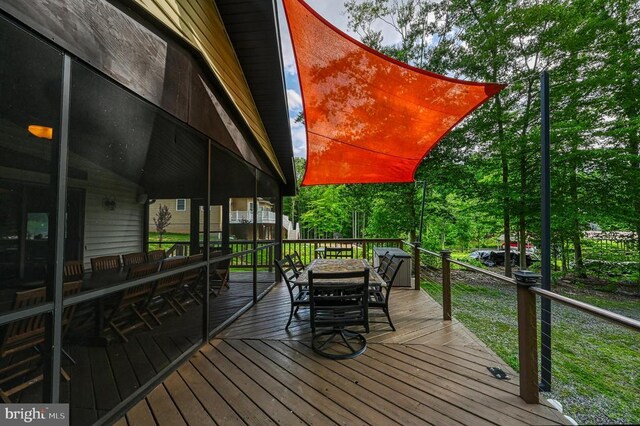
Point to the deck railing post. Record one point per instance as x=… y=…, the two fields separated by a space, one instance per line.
x=364 y=249
x=446 y=284
x=527 y=337
x=416 y=265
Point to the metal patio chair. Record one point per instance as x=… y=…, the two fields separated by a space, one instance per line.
x=298 y=264
x=339 y=300
x=379 y=296
x=385 y=261
x=338 y=253
x=297 y=296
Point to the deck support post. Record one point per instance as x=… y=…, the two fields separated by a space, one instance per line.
x=446 y=285
x=416 y=265
x=527 y=337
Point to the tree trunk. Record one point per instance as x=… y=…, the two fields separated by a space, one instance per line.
x=522 y=238
x=575 y=232
x=506 y=218
x=563 y=253
x=505 y=189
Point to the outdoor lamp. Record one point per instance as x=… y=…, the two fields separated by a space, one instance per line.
x=42 y=132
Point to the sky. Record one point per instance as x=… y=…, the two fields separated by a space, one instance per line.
x=334 y=12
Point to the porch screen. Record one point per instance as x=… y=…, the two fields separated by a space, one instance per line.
x=368 y=117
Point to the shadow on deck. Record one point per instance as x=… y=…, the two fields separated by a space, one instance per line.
x=429 y=371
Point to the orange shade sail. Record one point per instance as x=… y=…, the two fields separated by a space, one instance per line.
x=368 y=117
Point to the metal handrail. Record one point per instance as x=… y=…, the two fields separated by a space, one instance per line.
x=484 y=271
x=576 y=304
x=585 y=307
x=432 y=253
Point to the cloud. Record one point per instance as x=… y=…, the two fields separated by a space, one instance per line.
x=299 y=138
x=294 y=100
x=332 y=12
x=285 y=42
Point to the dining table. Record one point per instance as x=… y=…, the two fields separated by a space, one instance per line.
x=339 y=265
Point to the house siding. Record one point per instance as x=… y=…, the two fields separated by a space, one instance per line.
x=110 y=232
x=199 y=23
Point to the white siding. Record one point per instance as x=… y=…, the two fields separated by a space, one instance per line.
x=110 y=232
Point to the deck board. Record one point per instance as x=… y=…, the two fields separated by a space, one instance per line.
x=212 y=402
x=429 y=371
x=140 y=415
x=163 y=408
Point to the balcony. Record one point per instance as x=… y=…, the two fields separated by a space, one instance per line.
x=239 y=216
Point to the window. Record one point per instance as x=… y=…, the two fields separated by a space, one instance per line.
x=37 y=226
x=181 y=205
x=250 y=206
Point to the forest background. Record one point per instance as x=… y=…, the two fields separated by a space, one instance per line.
x=483 y=179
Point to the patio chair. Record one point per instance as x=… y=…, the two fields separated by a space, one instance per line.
x=297 y=262
x=28 y=334
x=134 y=258
x=192 y=279
x=339 y=300
x=105 y=263
x=73 y=270
x=298 y=296
x=384 y=263
x=166 y=288
x=379 y=297
x=133 y=300
x=338 y=253
x=156 y=255
x=219 y=278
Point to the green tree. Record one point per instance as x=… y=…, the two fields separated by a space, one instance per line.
x=162 y=220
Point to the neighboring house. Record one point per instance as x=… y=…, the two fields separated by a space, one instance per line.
x=240 y=218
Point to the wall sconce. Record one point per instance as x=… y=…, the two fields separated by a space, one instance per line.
x=42 y=132
x=142 y=198
x=109 y=203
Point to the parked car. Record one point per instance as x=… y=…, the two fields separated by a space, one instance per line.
x=496 y=257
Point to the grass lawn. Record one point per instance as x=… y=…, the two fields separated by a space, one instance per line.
x=170 y=239
x=596 y=365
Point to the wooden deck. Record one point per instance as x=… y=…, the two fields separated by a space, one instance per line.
x=427 y=372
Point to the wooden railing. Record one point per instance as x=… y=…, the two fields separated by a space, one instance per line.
x=527 y=290
x=179 y=249
x=362 y=247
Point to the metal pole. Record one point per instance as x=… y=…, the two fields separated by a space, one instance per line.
x=255 y=238
x=55 y=283
x=206 y=243
x=545 y=197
